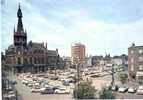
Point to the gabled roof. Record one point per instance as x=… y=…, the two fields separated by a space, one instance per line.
x=52 y=52
x=32 y=46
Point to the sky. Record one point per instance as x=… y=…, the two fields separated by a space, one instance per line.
x=103 y=26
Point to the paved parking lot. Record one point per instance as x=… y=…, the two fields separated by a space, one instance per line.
x=25 y=93
x=128 y=96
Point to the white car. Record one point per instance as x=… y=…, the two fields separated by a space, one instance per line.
x=62 y=91
x=11 y=95
x=33 y=90
x=123 y=89
x=131 y=90
x=140 y=90
x=24 y=82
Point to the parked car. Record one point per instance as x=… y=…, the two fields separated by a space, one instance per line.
x=114 y=88
x=55 y=87
x=86 y=73
x=140 y=90
x=46 y=91
x=10 y=88
x=30 y=85
x=13 y=82
x=95 y=75
x=36 y=86
x=131 y=90
x=123 y=89
x=62 y=91
x=24 y=82
x=46 y=76
x=11 y=95
x=34 y=90
x=54 y=78
x=66 y=83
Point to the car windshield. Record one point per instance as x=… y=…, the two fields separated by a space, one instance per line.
x=62 y=89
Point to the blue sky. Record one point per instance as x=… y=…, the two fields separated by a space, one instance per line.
x=104 y=26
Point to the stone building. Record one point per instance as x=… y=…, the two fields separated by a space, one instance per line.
x=96 y=60
x=117 y=60
x=135 y=61
x=24 y=57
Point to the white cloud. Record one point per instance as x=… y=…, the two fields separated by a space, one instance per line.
x=99 y=36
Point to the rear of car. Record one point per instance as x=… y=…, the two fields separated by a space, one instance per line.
x=123 y=89
x=140 y=90
x=47 y=91
x=131 y=90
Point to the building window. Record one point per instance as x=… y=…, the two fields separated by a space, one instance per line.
x=19 y=60
x=132 y=60
x=140 y=67
x=132 y=51
x=140 y=51
x=35 y=60
x=18 y=52
x=140 y=58
x=30 y=60
x=132 y=67
x=25 y=61
x=42 y=60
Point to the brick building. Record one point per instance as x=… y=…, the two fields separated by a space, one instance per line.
x=135 y=61
x=78 y=53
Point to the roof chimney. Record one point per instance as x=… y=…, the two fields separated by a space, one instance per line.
x=133 y=44
x=57 y=50
x=46 y=45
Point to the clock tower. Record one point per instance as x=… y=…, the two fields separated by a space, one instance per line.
x=20 y=36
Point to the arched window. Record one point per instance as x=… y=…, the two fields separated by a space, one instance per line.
x=25 y=61
x=42 y=60
x=30 y=60
x=19 y=60
x=35 y=60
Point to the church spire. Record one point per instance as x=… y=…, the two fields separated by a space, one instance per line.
x=20 y=24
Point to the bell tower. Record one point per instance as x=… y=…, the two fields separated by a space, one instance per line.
x=20 y=36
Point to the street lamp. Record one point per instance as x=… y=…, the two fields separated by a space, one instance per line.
x=57 y=63
x=78 y=75
x=112 y=73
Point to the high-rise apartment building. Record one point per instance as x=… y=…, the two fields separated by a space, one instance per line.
x=78 y=53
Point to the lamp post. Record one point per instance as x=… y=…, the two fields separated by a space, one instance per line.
x=78 y=75
x=57 y=63
x=112 y=73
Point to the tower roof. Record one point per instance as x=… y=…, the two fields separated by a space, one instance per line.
x=19 y=12
x=19 y=24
